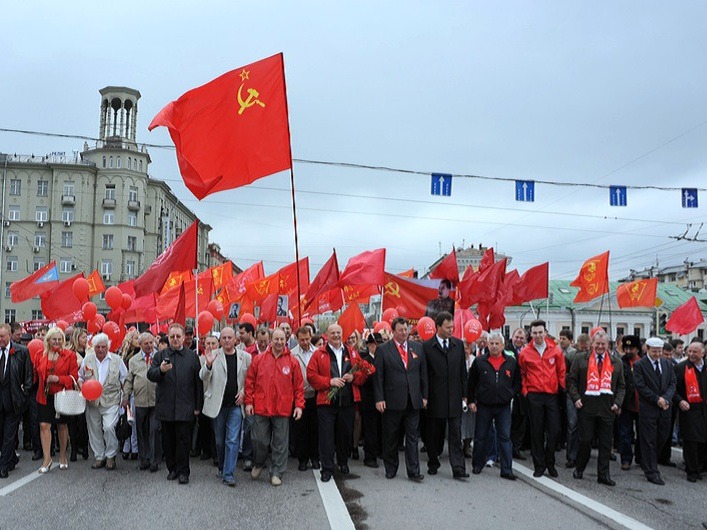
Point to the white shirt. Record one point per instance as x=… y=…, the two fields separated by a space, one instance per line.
x=541 y=349
x=441 y=341
x=700 y=366
x=5 y=354
x=102 y=367
x=339 y=354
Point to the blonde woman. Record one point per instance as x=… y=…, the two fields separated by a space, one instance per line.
x=128 y=349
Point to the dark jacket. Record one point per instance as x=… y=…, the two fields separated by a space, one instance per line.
x=393 y=384
x=693 y=423
x=630 y=397
x=491 y=388
x=179 y=391
x=368 y=401
x=650 y=387
x=20 y=372
x=596 y=405
x=446 y=378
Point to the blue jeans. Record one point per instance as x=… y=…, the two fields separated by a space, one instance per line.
x=227 y=432
x=501 y=416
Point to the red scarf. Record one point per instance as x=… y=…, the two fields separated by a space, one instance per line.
x=692 y=388
x=599 y=384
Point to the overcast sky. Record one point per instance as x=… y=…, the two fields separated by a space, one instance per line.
x=612 y=93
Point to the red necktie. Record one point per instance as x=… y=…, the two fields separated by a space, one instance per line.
x=403 y=355
x=147 y=359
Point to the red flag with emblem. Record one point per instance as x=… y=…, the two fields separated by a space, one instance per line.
x=685 y=318
x=640 y=293
x=176 y=278
x=95 y=284
x=407 y=295
x=448 y=268
x=593 y=278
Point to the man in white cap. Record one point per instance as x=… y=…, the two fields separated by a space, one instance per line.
x=655 y=382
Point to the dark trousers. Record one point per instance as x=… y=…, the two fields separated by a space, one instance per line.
x=149 y=435
x=486 y=415
x=371 y=427
x=30 y=422
x=9 y=423
x=544 y=417
x=435 y=435
x=394 y=422
x=695 y=454
x=305 y=432
x=628 y=434
x=176 y=436
x=653 y=431
x=589 y=427
x=78 y=433
x=666 y=451
x=335 y=434
x=519 y=422
x=203 y=436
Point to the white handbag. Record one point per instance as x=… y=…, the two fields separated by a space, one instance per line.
x=69 y=402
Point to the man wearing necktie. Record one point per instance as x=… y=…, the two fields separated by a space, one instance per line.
x=596 y=387
x=655 y=382
x=400 y=391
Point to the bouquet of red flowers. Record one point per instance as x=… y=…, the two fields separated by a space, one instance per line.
x=358 y=365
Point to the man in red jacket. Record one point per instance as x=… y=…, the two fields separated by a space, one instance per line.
x=273 y=387
x=542 y=369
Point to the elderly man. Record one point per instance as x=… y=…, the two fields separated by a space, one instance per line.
x=596 y=387
x=274 y=391
x=102 y=414
x=306 y=430
x=628 y=420
x=691 y=399
x=179 y=397
x=290 y=341
x=149 y=435
x=655 y=381
x=15 y=383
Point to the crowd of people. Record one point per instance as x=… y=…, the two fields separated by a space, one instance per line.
x=259 y=395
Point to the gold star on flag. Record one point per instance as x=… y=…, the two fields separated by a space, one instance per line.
x=244 y=74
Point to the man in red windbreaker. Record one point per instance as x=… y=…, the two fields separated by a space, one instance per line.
x=542 y=369
x=273 y=388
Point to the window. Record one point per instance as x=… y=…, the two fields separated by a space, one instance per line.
x=107 y=241
x=14 y=213
x=117 y=160
x=40 y=239
x=13 y=238
x=108 y=218
x=67 y=239
x=132 y=193
x=140 y=166
x=130 y=268
x=585 y=329
x=110 y=162
x=106 y=267
x=104 y=160
x=67 y=215
x=130 y=163
x=37 y=314
x=15 y=186
x=38 y=263
x=42 y=188
x=7 y=289
x=68 y=188
x=637 y=331
x=110 y=191
x=620 y=330
x=132 y=219
x=10 y=315
x=11 y=264
x=132 y=243
x=41 y=214
x=65 y=265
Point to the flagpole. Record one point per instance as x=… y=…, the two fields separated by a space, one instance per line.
x=196 y=307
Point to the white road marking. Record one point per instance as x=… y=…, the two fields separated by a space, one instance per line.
x=336 y=512
x=601 y=509
x=19 y=483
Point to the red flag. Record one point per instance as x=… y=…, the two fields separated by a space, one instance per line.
x=141 y=310
x=268 y=308
x=179 y=256
x=488 y=282
x=95 y=283
x=640 y=293
x=532 y=285
x=222 y=274
x=593 y=278
x=410 y=273
x=176 y=278
x=35 y=284
x=332 y=300
x=287 y=277
x=366 y=268
x=205 y=288
x=407 y=295
x=236 y=288
x=461 y=317
x=487 y=260
x=61 y=300
x=360 y=293
x=232 y=130
x=351 y=319
x=180 y=311
x=685 y=318
x=167 y=303
x=448 y=268
x=504 y=297
x=326 y=279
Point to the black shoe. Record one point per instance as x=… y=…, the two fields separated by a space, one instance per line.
x=133 y=456
x=577 y=474
x=416 y=478
x=154 y=468
x=194 y=453
x=27 y=446
x=517 y=455
x=344 y=468
x=316 y=464
x=37 y=456
x=423 y=449
x=173 y=475
x=538 y=472
x=552 y=471
x=302 y=466
x=126 y=456
x=570 y=464
x=656 y=480
x=431 y=470
x=612 y=457
x=326 y=477
x=668 y=464
x=4 y=473
x=476 y=470
x=508 y=476
x=390 y=474
x=84 y=453
x=606 y=481
x=690 y=478
x=460 y=475
x=183 y=479
x=401 y=448
x=72 y=458
x=205 y=456
x=371 y=463
x=144 y=466
x=354 y=454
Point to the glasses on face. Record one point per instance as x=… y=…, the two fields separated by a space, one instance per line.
x=175 y=336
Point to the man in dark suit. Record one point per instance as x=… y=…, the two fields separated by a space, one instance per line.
x=655 y=382
x=446 y=376
x=596 y=387
x=400 y=390
x=15 y=383
x=370 y=417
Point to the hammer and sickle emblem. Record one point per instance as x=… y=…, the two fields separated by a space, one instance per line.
x=392 y=289
x=251 y=100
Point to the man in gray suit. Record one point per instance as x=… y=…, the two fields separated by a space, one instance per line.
x=400 y=390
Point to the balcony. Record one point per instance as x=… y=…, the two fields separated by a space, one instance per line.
x=68 y=200
x=134 y=206
x=109 y=203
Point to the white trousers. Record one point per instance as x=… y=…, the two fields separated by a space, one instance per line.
x=101 y=422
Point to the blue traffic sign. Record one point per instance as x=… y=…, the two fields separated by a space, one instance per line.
x=617 y=195
x=525 y=190
x=689 y=197
x=441 y=184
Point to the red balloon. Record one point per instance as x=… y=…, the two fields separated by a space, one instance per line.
x=80 y=288
x=35 y=347
x=402 y=310
x=62 y=324
x=380 y=326
x=111 y=329
x=127 y=301
x=114 y=297
x=89 y=311
x=426 y=328
x=205 y=321
x=92 y=389
x=100 y=320
x=389 y=314
x=248 y=317
x=215 y=307
x=472 y=330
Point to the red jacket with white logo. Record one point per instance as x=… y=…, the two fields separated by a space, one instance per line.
x=274 y=386
x=542 y=374
x=319 y=373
